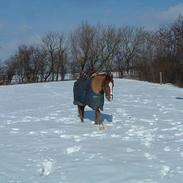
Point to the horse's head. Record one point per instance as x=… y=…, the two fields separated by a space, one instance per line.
x=107 y=87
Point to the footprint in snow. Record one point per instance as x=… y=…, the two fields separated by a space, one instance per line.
x=149 y=156
x=167 y=149
x=14 y=130
x=43 y=132
x=129 y=150
x=73 y=149
x=46 y=167
x=165 y=170
x=31 y=133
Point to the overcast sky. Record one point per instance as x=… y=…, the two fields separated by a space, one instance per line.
x=25 y=21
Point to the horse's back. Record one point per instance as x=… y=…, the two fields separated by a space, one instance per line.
x=81 y=87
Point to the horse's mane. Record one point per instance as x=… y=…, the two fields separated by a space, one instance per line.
x=108 y=74
x=84 y=75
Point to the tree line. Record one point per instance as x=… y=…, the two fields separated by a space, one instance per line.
x=125 y=50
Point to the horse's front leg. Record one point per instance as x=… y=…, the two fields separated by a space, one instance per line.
x=97 y=117
x=81 y=112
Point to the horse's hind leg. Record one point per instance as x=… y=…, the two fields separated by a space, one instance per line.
x=97 y=117
x=81 y=112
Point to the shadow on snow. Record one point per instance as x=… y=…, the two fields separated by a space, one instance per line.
x=180 y=98
x=91 y=116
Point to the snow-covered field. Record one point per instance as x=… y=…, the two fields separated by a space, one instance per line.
x=43 y=141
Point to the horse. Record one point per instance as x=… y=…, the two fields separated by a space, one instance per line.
x=91 y=92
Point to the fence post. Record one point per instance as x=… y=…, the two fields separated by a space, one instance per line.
x=161 y=78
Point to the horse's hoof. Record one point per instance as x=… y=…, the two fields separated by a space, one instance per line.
x=100 y=126
x=98 y=123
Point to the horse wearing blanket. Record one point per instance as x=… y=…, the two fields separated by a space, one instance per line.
x=91 y=92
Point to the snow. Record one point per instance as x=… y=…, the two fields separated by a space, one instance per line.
x=42 y=139
x=46 y=168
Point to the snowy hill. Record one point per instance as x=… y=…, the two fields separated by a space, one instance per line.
x=43 y=141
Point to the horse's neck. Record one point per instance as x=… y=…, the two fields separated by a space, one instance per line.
x=97 y=83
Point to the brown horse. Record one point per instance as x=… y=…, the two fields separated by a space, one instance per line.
x=91 y=92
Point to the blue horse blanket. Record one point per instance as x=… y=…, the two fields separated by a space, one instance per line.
x=84 y=95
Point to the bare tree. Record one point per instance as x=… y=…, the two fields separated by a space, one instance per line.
x=10 y=68
x=61 y=57
x=131 y=41
x=107 y=46
x=38 y=63
x=163 y=53
x=50 y=44
x=82 y=43
x=145 y=58
x=93 y=48
x=54 y=45
x=22 y=59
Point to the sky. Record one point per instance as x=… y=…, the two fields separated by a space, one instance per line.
x=26 y=21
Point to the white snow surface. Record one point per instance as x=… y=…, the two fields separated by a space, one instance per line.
x=43 y=141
